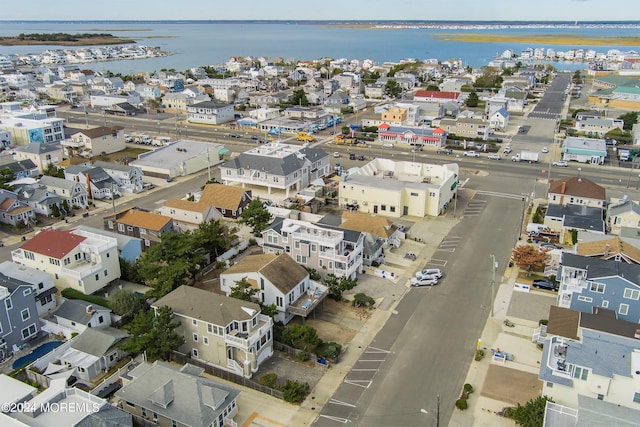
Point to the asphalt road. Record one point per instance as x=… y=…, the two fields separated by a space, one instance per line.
x=550 y=105
x=426 y=348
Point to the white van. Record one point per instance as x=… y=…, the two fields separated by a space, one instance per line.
x=435 y=272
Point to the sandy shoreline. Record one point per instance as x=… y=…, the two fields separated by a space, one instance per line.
x=560 y=39
x=93 y=41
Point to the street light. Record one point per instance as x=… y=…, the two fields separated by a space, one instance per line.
x=579 y=170
x=437 y=416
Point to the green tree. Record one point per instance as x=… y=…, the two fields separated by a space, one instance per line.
x=55 y=211
x=472 y=100
x=269 y=309
x=298 y=97
x=156 y=335
x=433 y=87
x=294 y=391
x=630 y=119
x=256 y=216
x=243 y=290
x=140 y=330
x=214 y=237
x=393 y=88
x=337 y=285
x=531 y=414
x=490 y=78
x=123 y=302
x=301 y=337
x=6 y=176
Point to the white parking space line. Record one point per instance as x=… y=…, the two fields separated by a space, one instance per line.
x=364 y=370
x=376 y=350
x=341 y=403
x=337 y=419
x=358 y=383
x=438 y=262
x=450 y=250
x=160 y=202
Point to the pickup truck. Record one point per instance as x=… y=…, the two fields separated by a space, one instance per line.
x=471 y=154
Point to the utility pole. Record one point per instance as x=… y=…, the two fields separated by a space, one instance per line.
x=438 y=411
x=494 y=265
x=208 y=165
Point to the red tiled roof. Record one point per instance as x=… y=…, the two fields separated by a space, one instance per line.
x=436 y=94
x=384 y=126
x=53 y=243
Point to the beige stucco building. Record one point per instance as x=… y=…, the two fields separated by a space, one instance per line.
x=394 y=189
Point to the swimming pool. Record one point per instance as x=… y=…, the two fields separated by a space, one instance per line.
x=36 y=354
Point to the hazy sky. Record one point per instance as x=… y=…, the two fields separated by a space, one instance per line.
x=522 y=10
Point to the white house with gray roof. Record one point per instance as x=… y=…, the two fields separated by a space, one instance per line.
x=166 y=395
x=277 y=166
x=128 y=177
x=210 y=113
x=598 y=126
x=70 y=190
x=42 y=155
x=97 y=182
x=41 y=284
x=593 y=355
x=94 y=351
x=226 y=332
x=78 y=315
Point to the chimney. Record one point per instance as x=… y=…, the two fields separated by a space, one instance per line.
x=89 y=309
x=89 y=186
x=564 y=187
x=606 y=249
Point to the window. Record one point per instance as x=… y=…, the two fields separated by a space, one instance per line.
x=194 y=322
x=97 y=277
x=174 y=423
x=632 y=293
x=8 y=303
x=580 y=373
x=209 y=328
x=143 y=231
x=313 y=247
x=596 y=287
x=605 y=304
x=147 y=243
x=279 y=301
x=29 y=331
x=414 y=194
x=205 y=340
x=636 y=397
x=25 y=314
x=623 y=309
x=121 y=228
x=144 y=412
x=106 y=273
x=195 y=337
x=27 y=292
x=29 y=255
x=100 y=319
x=54 y=261
x=585 y=299
x=194 y=352
x=133 y=405
x=392 y=208
x=297 y=245
x=383 y=207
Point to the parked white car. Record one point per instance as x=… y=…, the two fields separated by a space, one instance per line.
x=508 y=149
x=494 y=157
x=471 y=154
x=545 y=149
x=430 y=272
x=561 y=163
x=424 y=281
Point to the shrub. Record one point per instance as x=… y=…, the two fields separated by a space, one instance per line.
x=70 y=293
x=462 y=404
x=268 y=380
x=303 y=356
x=543 y=322
x=363 y=300
x=468 y=388
x=330 y=350
x=295 y=392
x=479 y=354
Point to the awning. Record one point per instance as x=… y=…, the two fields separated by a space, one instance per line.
x=223 y=151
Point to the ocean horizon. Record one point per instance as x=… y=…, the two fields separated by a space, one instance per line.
x=211 y=42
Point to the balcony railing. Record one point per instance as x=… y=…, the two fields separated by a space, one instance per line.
x=245 y=340
x=308 y=301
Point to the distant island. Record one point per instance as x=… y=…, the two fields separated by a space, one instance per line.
x=63 y=39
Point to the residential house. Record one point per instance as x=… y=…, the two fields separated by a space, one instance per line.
x=494 y=104
x=176 y=103
x=590 y=283
x=123 y=109
x=96 y=141
x=78 y=315
x=98 y=183
x=210 y=113
x=375 y=90
x=21 y=168
x=466 y=127
x=584 y=150
x=590 y=411
x=165 y=395
x=72 y=191
x=394 y=116
x=564 y=218
x=108 y=101
x=499 y=120
x=43 y=155
x=327 y=249
x=264 y=113
x=336 y=101
x=94 y=351
x=139 y=223
x=83 y=409
x=129 y=247
x=598 y=126
x=437 y=97
x=128 y=178
x=419 y=136
x=19 y=321
x=225 y=332
x=62 y=92
x=77 y=259
x=276 y=165
x=612 y=248
x=625 y=213
x=32 y=126
x=41 y=284
x=13 y=211
x=280 y=281
x=216 y=201
x=592 y=355
x=394 y=189
x=515 y=97
x=43 y=201
x=576 y=191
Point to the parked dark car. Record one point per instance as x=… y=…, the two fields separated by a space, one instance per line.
x=360 y=157
x=545 y=284
x=352 y=156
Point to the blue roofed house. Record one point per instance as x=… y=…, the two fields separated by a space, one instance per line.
x=499 y=120
x=588 y=284
x=591 y=355
x=584 y=150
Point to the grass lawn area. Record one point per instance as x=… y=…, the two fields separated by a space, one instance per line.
x=129 y=153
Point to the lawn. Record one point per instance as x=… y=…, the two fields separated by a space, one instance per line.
x=124 y=156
